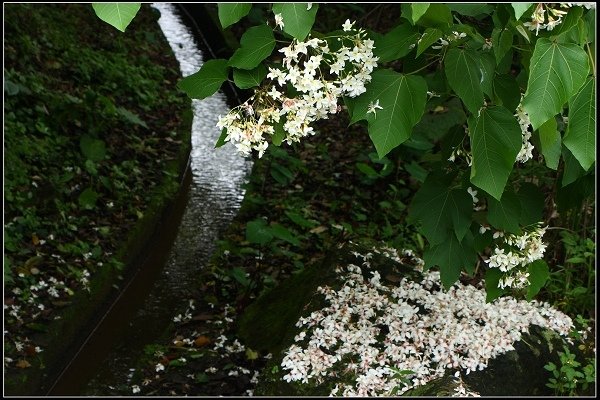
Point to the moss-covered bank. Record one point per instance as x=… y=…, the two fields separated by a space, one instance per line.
x=97 y=140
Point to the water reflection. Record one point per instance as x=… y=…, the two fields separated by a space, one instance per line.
x=218 y=174
x=214 y=197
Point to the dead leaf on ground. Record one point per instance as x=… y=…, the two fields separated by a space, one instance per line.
x=202 y=317
x=318 y=229
x=202 y=341
x=23 y=364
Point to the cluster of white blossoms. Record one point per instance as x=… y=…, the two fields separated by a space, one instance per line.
x=368 y=327
x=318 y=74
x=548 y=17
x=525 y=154
x=522 y=250
x=538 y=18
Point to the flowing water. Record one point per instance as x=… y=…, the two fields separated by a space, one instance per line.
x=166 y=282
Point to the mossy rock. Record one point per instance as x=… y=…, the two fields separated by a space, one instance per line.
x=268 y=325
x=519 y=372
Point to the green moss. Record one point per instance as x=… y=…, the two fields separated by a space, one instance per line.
x=519 y=372
x=268 y=324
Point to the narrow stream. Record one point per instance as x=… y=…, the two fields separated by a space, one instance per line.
x=161 y=287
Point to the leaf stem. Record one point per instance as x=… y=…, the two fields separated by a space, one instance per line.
x=522 y=49
x=424 y=67
x=589 y=51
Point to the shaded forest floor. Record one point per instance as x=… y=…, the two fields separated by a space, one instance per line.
x=94 y=143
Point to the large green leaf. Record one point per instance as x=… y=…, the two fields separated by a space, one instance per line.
x=257 y=231
x=452 y=256
x=230 y=13
x=492 y=278
x=279 y=134
x=569 y=22
x=532 y=204
x=131 y=117
x=520 y=9
x=414 y=11
x=435 y=125
x=438 y=15
x=297 y=19
x=246 y=79
x=396 y=43
x=472 y=9
x=463 y=70
x=557 y=72
x=495 y=143
x=221 y=140
x=581 y=129
x=507 y=92
x=402 y=98
x=571 y=196
x=550 y=142
x=118 y=15
x=505 y=214
x=257 y=43
x=590 y=21
x=502 y=40
x=430 y=36
x=93 y=149
x=300 y=220
x=87 y=199
x=539 y=273
x=441 y=209
x=207 y=81
x=488 y=73
x=281 y=232
x=572 y=170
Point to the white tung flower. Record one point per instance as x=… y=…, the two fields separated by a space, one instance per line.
x=473 y=194
x=347 y=26
x=279 y=20
x=372 y=108
x=525 y=249
x=487 y=44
